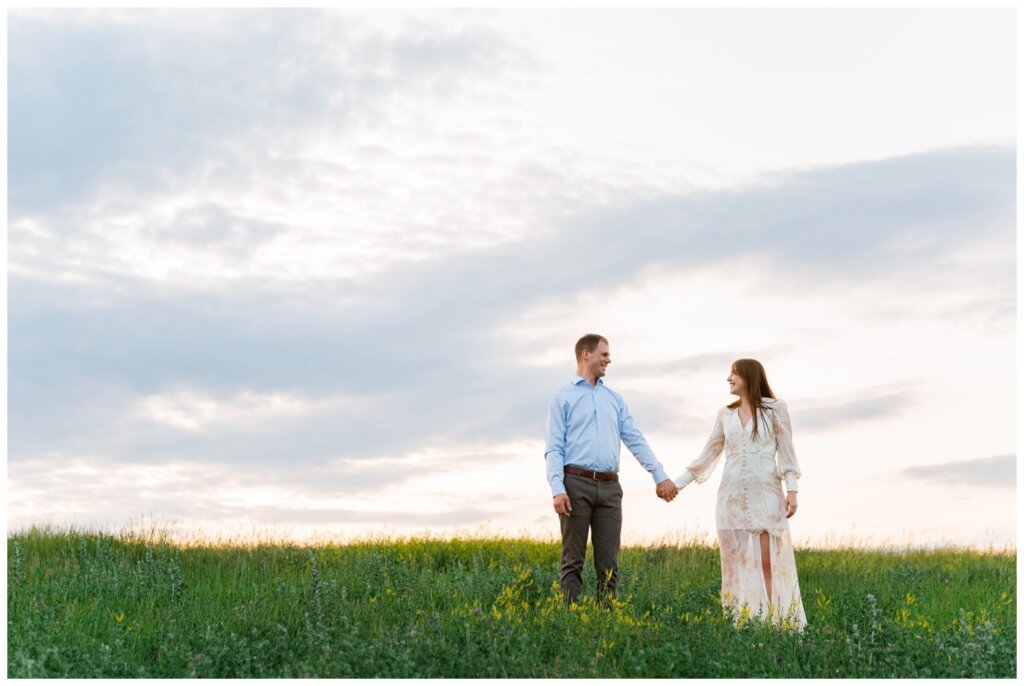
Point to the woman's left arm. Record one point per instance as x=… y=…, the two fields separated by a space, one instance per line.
x=787 y=465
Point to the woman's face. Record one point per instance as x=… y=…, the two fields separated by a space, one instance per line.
x=736 y=384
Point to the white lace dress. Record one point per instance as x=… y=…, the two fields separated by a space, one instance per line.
x=751 y=501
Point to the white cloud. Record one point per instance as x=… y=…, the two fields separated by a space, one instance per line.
x=335 y=262
x=197 y=411
x=720 y=96
x=436 y=486
x=999 y=471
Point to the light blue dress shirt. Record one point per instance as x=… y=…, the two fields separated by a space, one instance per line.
x=586 y=427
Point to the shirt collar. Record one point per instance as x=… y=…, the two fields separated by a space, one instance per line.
x=577 y=379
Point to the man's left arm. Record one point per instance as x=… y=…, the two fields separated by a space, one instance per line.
x=637 y=444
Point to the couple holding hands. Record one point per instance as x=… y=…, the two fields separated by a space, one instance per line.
x=586 y=423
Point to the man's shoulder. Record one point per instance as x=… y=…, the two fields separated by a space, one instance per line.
x=569 y=388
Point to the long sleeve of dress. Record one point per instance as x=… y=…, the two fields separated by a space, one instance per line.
x=700 y=470
x=787 y=466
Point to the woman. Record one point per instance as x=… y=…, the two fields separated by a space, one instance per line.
x=758 y=568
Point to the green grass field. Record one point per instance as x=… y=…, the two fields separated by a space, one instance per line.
x=95 y=605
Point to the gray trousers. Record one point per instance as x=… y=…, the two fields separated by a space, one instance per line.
x=596 y=507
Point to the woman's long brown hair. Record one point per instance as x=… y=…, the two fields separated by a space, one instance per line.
x=756 y=382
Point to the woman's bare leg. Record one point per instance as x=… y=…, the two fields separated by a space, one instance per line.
x=766 y=563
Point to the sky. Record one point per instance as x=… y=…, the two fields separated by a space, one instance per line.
x=318 y=273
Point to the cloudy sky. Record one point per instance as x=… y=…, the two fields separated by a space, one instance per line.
x=320 y=272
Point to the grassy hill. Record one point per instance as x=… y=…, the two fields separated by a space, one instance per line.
x=84 y=604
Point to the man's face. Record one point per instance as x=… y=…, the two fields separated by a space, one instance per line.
x=597 y=362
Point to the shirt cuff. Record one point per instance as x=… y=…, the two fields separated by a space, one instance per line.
x=684 y=479
x=659 y=475
x=791 y=482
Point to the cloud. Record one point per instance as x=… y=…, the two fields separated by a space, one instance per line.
x=298 y=144
x=999 y=471
x=300 y=243
x=270 y=145
x=270 y=261
x=415 y=344
x=458 y=517
x=194 y=489
x=690 y=364
x=841 y=223
x=870 y=404
x=134 y=99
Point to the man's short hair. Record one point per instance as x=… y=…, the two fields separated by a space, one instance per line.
x=588 y=343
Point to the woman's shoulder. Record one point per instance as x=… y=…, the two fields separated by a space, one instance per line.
x=774 y=403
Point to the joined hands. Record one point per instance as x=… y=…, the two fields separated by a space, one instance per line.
x=666 y=490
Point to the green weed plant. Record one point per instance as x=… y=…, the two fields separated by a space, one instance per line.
x=88 y=604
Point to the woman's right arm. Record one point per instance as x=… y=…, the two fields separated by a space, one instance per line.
x=700 y=470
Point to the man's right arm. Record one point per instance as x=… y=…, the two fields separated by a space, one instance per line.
x=554 y=450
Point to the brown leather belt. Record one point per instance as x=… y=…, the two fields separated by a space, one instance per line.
x=600 y=476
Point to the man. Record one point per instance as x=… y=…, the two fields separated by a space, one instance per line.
x=587 y=421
